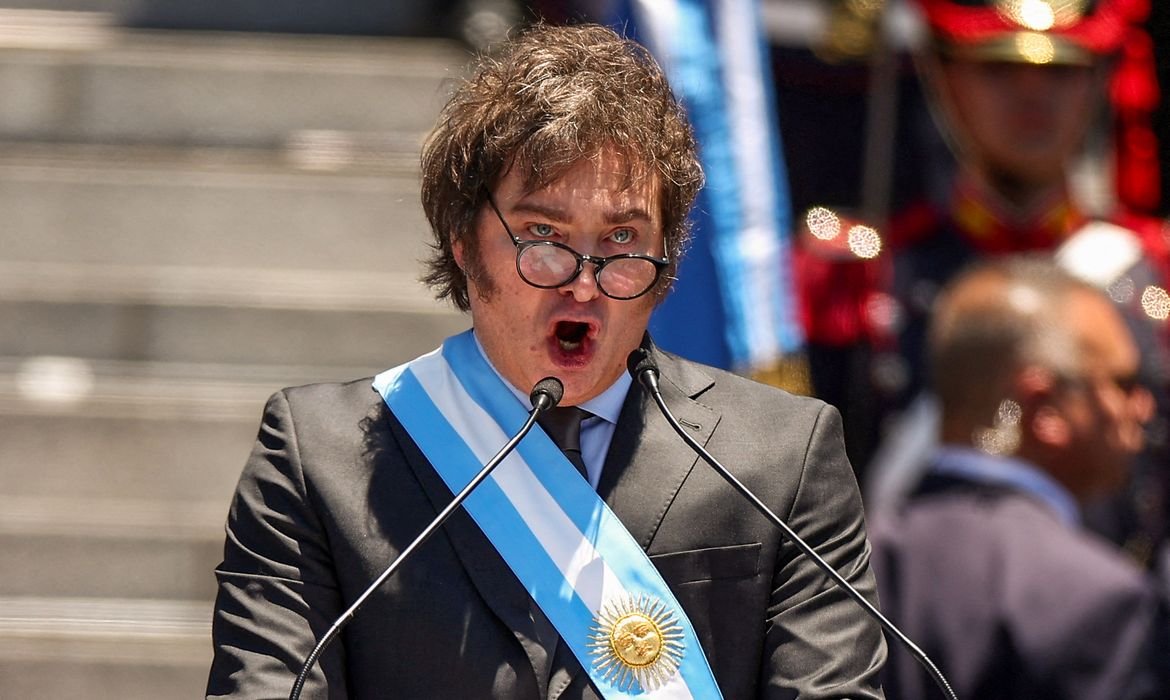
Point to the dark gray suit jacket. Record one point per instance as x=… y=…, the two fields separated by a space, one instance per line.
x=335 y=489
x=1013 y=604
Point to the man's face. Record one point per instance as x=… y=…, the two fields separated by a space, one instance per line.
x=574 y=332
x=1016 y=122
x=1106 y=411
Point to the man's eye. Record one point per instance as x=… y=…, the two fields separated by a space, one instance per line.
x=542 y=230
x=623 y=236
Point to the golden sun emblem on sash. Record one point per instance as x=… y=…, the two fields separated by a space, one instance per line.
x=636 y=641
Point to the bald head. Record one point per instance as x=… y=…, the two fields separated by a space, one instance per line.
x=1025 y=331
x=993 y=321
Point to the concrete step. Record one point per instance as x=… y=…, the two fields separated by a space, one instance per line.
x=214 y=334
x=314 y=206
x=191 y=221
x=86 y=81
x=134 y=459
x=103 y=649
x=126 y=502
x=235 y=286
x=137 y=433
x=41 y=12
x=434 y=18
x=116 y=477
x=146 y=566
x=53 y=678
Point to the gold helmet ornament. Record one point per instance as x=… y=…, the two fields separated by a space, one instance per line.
x=1032 y=31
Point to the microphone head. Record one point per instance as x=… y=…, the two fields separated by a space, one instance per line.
x=550 y=388
x=641 y=361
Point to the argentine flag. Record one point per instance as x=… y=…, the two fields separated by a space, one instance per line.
x=734 y=304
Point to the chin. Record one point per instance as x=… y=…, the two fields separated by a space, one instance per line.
x=577 y=393
x=581 y=388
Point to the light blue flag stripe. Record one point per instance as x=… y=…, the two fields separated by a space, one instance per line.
x=763 y=183
x=715 y=55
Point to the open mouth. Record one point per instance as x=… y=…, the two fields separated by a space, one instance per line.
x=571 y=335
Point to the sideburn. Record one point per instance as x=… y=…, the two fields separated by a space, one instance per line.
x=475 y=272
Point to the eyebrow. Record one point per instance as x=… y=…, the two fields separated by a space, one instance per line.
x=558 y=214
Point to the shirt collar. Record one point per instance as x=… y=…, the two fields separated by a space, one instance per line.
x=606 y=405
x=1006 y=471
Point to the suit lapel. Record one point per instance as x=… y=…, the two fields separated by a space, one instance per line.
x=647 y=464
x=648 y=461
x=497 y=584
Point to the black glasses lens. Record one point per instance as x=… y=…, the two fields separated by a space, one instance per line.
x=626 y=278
x=1128 y=383
x=549 y=265
x=546 y=265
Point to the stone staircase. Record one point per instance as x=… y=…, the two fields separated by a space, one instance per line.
x=189 y=222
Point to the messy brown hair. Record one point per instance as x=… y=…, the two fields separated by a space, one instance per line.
x=547 y=99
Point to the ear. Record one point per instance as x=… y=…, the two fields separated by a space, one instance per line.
x=1050 y=427
x=457 y=253
x=1036 y=389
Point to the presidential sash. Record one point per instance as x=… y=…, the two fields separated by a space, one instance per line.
x=575 y=558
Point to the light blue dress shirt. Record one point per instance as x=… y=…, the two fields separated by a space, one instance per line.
x=971 y=464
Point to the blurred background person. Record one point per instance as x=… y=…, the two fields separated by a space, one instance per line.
x=1017 y=90
x=986 y=564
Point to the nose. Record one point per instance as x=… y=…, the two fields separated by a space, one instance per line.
x=584 y=287
x=1141 y=401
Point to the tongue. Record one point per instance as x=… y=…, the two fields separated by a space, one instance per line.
x=570 y=334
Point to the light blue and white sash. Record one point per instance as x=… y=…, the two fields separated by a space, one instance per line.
x=572 y=554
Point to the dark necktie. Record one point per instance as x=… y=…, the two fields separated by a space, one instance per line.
x=563 y=425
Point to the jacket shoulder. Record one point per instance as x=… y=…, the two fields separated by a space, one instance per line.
x=734 y=393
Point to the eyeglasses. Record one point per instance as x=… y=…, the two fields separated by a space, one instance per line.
x=1128 y=383
x=550 y=264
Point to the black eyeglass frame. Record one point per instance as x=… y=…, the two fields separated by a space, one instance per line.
x=599 y=264
x=1128 y=383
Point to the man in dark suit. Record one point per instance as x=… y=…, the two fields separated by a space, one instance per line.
x=557 y=184
x=987 y=563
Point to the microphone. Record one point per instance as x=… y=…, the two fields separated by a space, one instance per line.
x=643 y=367
x=545 y=395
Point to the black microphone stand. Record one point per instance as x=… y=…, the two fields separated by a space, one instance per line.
x=545 y=395
x=641 y=365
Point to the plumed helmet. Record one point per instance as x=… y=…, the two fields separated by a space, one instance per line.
x=1032 y=31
